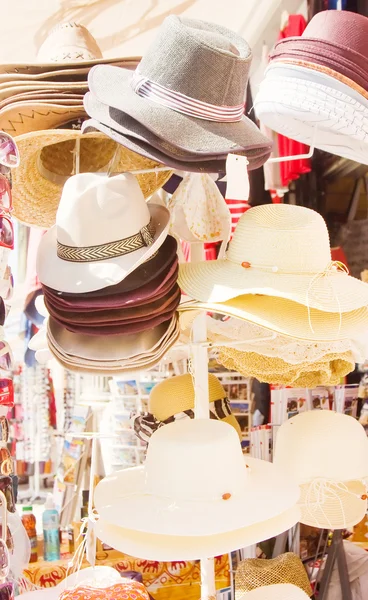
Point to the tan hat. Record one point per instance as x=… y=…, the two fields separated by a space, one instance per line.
x=48 y=159
x=254 y=573
x=174 y=399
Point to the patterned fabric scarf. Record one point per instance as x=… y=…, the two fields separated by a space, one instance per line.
x=146 y=423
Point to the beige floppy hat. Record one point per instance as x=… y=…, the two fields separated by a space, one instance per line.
x=277 y=250
x=48 y=159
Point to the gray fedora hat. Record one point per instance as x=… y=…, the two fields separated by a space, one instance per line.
x=189 y=89
x=168 y=151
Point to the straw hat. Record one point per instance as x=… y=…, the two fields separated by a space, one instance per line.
x=48 y=159
x=277 y=250
x=328 y=370
x=151 y=546
x=104 y=230
x=214 y=488
x=285 y=317
x=174 y=399
x=279 y=591
x=255 y=573
x=326 y=453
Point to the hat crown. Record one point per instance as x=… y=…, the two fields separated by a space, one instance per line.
x=282 y=237
x=201 y=60
x=322 y=444
x=95 y=209
x=198 y=460
x=343 y=28
x=180 y=390
x=69 y=42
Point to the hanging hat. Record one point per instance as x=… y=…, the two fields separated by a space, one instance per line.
x=151 y=546
x=214 y=488
x=254 y=573
x=326 y=453
x=174 y=399
x=198 y=211
x=328 y=370
x=104 y=230
x=198 y=106
x=315 y=88
x=285 y=317
x=279 y=591
x=277 y=250
x=48 y=158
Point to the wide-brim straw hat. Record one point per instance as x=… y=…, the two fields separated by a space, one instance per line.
x=277 y=250
x=203 y=100
x=214 y=488
x=314 y=108
x=151 y=546
x=283 y=316
x=128 y=131
x=279 y=591
x=48 y=159
x=253 y=573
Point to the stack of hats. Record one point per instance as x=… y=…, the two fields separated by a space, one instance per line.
x=326 y=453
x=184 y=104
x=108 y=272
x=196 y=496
x=278 y=275
x=180 y=392
x=316 y=86
x=41 y=105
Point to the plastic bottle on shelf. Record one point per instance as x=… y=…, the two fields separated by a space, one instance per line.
x=51 y=531
x=29 y=523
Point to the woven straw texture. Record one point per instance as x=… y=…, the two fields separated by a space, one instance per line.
x=327 y=371
x=253 y=573
x=36 y=198
x=277 y=250
x=278 y=591
x=176 y=394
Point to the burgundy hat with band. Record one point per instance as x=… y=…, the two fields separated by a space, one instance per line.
x=124 y=328
x=336 y=40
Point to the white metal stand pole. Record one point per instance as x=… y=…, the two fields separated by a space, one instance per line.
x=201 y=411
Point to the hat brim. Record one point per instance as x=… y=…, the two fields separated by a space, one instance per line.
x=40 y=67
x=305 y=105
x=88 y=277
x=285 y=317
x=341 y=506
x=112 y=86
x=276 y=591
x=122 y=499
x=221 y=280
x=167 y=548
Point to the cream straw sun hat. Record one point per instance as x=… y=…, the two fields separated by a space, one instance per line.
x=104 y=230
x=48 y=159
x=282 y=251
x=279 y=591
x=198 y=467
x=327 y=454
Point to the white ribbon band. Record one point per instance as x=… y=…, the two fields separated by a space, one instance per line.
x=185 y=104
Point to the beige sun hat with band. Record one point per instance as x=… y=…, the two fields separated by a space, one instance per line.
x=48 y=158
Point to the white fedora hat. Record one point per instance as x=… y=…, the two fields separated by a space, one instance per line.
x=277 y=250
x=278 y=591
x=327 y=454
x=152 y=546
x=104 y=230
x=196 y=466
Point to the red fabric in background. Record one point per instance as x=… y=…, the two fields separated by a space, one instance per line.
x=292 y=170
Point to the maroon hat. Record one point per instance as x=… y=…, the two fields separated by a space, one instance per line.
x=334 y=39
x=154 y=290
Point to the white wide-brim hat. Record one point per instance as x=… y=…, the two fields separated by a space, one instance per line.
x=95 y=221
x=314 y=108
x=330 y=505
x=122 y=500
x=278 y=591
x=151 y=546
x=282 y=251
